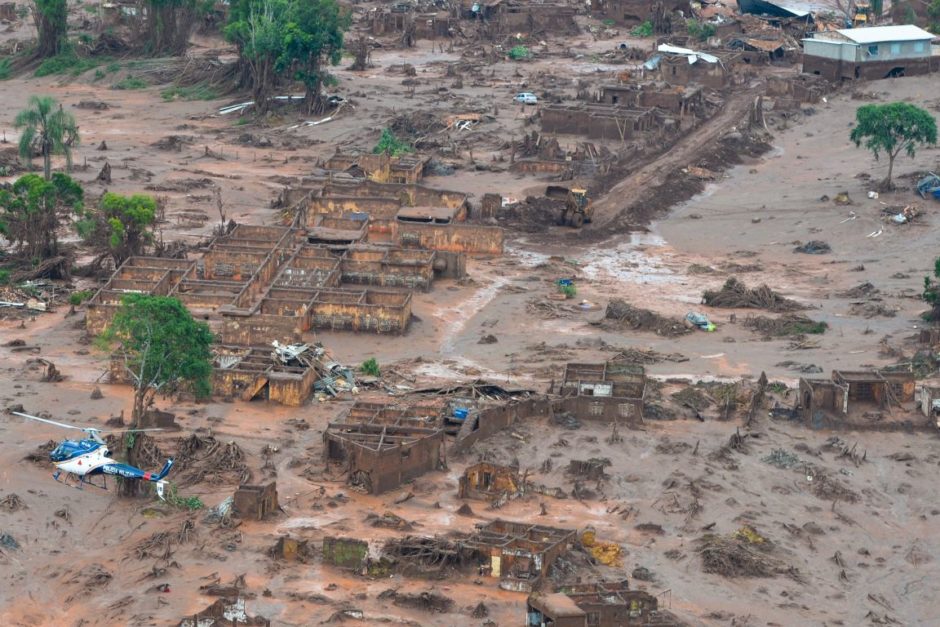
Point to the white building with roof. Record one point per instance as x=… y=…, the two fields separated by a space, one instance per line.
x=870 y=53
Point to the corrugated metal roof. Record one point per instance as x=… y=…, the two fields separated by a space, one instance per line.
x=876 y=34
x=691 y=55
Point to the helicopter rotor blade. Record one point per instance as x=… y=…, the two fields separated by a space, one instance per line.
x=46 y=420
x=122 y=430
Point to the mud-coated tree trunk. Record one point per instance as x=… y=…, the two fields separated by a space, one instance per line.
x=46 y=158
x=131 y=487
x=50 y=17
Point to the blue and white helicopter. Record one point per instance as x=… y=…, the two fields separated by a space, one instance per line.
x=82 y=460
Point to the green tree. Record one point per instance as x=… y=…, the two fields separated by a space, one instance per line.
x=122 y=226
x=51 y=18
x=162 y=349
x=287 y=39
x=30 y=211
x=933 y=15
x=48 y=128
x=312 y=39
x=891 y=129
x=254 y=27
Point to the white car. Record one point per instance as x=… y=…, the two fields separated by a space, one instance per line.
x=526 y=98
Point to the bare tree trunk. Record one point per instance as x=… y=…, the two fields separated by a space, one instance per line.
x=887 y=184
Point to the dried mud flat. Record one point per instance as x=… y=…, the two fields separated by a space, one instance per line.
x=774 y=524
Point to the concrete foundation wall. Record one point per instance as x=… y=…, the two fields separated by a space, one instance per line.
x=259 y=330
x=492 y=419
x=627 y=411
x=291 y=388
x=836 y=71
x=470 y=239
x=368 y=310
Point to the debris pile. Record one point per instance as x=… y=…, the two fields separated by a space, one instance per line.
x=12 y=503
x=744 y=553
x=736 y=295
x=814 y=247
x=427 y=601
x=203 y=458
x=781 y=459
x=626 y=315
x=790 y=325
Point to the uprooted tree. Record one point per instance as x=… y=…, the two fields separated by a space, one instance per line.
x=280 y=40
x=51 y=17
x=48 y=128
x=121 y=226
x=163 y=350
x=891 y=129
x=30 y=211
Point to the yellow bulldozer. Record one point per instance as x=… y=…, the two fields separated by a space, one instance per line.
x=861 y=14
x=577 y=209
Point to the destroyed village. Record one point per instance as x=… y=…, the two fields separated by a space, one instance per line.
x=484 y=313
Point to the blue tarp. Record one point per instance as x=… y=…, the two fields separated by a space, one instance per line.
x=929 y=186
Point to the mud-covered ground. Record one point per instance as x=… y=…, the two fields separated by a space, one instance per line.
x=849 y=542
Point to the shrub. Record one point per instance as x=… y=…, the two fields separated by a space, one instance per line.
x=370 y=367
x=183 y=502
x=643 y=30
x=517 y=53
x=131 y=82
x=65 y=63
x=570 y=291
x=78 y=297
x=5 y=69
x=699 y=30
x=391 y=145
x=4 y=276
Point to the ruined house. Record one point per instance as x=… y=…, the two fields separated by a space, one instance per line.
x=349 y=553
x=405 y=169
x=841 y=399
x=597 y=121
x=503 y=17
x=676 y=99
x=490 y=482
x=270 y=283
x=597 y=605
x=410 y=216
x=611 y=391
x=402 y=19
x=635 y=12
x=381 y=447
x=869 y=53
x=519 y=554
x=256 y=501
x=682 y=66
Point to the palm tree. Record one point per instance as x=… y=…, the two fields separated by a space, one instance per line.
x=50 y=128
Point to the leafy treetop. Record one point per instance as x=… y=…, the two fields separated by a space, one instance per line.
x=893 y=128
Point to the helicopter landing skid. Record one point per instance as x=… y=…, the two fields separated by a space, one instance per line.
x=79 y=482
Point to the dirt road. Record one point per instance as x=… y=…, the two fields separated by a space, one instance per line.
x=615 y=212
